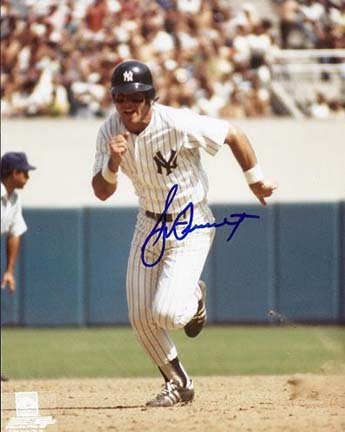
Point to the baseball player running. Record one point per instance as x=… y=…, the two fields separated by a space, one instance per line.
x=158 y=148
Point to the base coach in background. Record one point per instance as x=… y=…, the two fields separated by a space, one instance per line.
x=157 y=147
x=14 y=175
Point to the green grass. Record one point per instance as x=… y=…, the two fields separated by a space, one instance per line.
x=114 y=352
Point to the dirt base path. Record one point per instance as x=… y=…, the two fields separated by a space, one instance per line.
x=296 y=403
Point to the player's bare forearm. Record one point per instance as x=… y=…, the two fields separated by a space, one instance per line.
x=102 y=189
x=245 y=156
x=12 y=249
x=241 y=148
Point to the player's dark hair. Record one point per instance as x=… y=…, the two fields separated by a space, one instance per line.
x=5 y=173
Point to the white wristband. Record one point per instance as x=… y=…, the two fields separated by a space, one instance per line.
x=108 y=175
x=254 y=175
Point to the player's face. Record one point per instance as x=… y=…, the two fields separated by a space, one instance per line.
x=20 y=178
x=134 y=110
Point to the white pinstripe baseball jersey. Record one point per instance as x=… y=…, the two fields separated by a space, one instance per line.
x=164 y=154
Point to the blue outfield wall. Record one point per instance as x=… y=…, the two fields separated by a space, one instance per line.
x=72 y=266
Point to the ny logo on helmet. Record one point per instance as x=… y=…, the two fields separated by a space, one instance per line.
x=128 y=76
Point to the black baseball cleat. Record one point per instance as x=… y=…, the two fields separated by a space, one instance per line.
x=196 y=324
x=4 y=378
x=172 y=394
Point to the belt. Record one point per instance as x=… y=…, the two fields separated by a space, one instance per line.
x=169 y=217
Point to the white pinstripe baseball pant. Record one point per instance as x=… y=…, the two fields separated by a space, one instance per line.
x=165 y=297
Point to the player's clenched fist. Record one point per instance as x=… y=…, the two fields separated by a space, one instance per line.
x=117 y=148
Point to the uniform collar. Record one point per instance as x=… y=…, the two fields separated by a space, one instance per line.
x=4 y=193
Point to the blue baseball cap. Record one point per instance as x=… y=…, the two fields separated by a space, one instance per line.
x=14 y=161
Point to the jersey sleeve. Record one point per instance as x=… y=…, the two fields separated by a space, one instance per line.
x=109 y=128
x=102 y=152
x=18 y=225
x=205 y=132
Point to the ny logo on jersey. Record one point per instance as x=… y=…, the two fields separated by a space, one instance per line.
x=128 y=76
x=169 y=164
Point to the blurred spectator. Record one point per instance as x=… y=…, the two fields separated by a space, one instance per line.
x=309 y=23
x=289 y=20
x=95 y=15
x=324 y=108
x=337 y=109
x=234 y=107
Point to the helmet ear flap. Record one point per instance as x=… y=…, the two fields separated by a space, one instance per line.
x=151 y=95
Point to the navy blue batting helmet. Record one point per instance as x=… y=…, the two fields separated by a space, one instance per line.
x=130 y=77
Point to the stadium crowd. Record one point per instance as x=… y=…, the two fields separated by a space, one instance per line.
x=57 y=55
x=311 y=23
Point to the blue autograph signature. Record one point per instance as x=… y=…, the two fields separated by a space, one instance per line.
x=161 y=232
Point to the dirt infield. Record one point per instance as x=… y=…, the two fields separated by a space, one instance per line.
x=298 y=403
